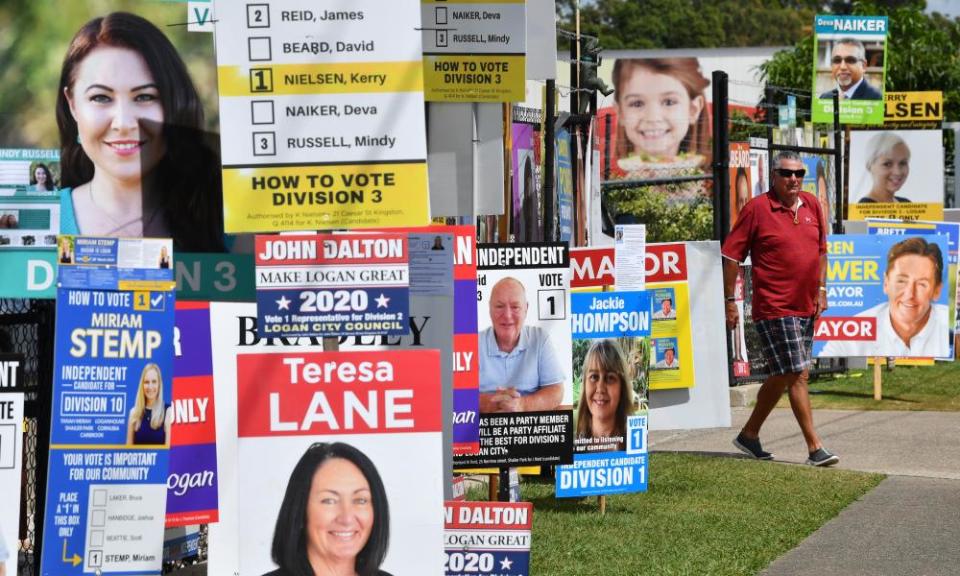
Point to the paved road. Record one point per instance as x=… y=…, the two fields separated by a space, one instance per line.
x=908 y=526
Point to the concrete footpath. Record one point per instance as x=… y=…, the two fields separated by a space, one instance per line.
x=908 y=525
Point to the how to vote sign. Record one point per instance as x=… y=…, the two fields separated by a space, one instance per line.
x=107 y=483
x=474 y=51
x=321 y=115
x=487 y=538
x=887 y=296
x=332 y=284
x=11 y=468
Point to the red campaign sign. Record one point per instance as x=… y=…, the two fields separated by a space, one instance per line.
x=324 y=393
x=330 y=249
x=666 y=262
x=466 y=372
x=594 y=267
x=848 y=329
x=488 y=515
x=193 y=411
x=464 y=246
x=591 y=267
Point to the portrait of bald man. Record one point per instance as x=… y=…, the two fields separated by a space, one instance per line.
x=519 y=369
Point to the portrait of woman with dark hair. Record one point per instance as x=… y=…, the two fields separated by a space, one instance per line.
x=605 y=396
x=41 y=179
x=334 y=518
x=134 y=161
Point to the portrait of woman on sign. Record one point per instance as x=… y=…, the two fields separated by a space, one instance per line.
x=133 y=157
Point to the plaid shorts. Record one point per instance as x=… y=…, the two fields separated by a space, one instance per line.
x=787 y=343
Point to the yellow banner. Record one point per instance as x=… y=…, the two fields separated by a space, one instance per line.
x=323 y=197
x=339 y=78
x=474 y=78
x=896 y=211
x=913 y=106
x=146 y=286
x=674 y=328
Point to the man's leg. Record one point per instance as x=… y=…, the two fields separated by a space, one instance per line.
x=800 y=403
x=768 y=396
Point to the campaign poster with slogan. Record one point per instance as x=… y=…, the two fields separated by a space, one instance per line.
x=332 y=284
x=610 y=346
x=849 y=55
x=487 y=538
x=667 y=279
x=524 y=349
x=11 y=468
x=474 y=51
x=107 y=481
x=192 y=479
x=887 y=296
x=379 y=413
x=321 y=114
x=949 y=229
x=881 y=182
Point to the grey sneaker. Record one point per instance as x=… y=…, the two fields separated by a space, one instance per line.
x=751 y=447
x=821 y=457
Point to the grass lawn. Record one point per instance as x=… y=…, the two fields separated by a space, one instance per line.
x=702 y=516
x=934 y=387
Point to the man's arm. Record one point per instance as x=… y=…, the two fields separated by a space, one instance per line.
x=822 y=288
x=730 y=269
x=546 y=398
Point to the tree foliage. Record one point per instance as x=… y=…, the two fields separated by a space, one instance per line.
x=634 y=24
x=922 y=54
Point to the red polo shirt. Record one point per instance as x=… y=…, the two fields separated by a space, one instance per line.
x=785 y=255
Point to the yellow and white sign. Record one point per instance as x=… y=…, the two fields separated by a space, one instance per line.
x=322 y=116
x=474 y=51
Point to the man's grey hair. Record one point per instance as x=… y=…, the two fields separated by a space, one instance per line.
x=861 y=51
x=785 y=155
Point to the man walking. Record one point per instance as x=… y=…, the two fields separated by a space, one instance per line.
x=784 y=232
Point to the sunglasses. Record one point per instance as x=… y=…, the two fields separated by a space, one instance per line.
x=851 y=60
x=785 y=173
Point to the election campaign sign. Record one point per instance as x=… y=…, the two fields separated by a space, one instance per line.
x=11 y=467
x=192 y=478
x=11 y=372
x=322 y=115
x=107 y=483
x=850 y=57
x=881 y=182
x=524 y=355
x=886 y=297
x=115 y=263
x=914 y=109
x=332 y=284
x=348 y=423
x=29 y=199
x=474 y=51
x=611 y=366
x=487 y=538
x=952 y=232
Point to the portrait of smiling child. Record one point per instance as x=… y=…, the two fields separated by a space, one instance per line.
x=134 y=161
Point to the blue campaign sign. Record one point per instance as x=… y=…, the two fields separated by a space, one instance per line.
x=94 y=263
x=619 y=472
x=339 y=312
x=610 y=314
x=107 y=345
x=106 y=488
x=887 y=295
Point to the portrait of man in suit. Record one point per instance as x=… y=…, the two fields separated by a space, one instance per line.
x=847 y=64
